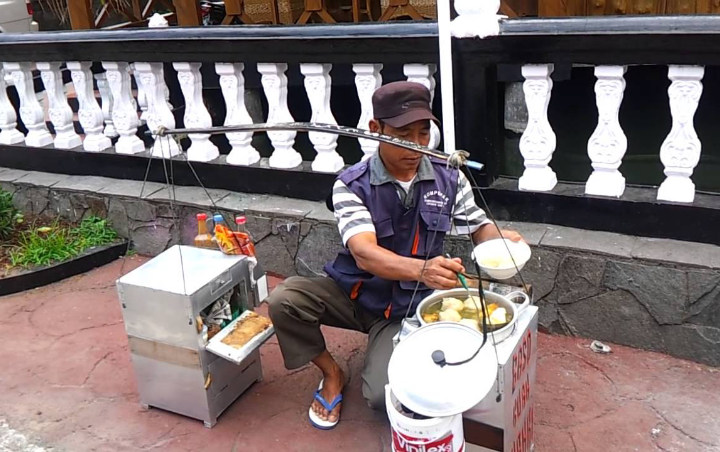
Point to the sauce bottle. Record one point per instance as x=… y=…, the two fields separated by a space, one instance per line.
x=203 y=239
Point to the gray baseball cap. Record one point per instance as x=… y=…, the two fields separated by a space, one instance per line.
x=401 y=103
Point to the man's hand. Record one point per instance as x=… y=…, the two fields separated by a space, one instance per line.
x=490 y=232
x=512 y=235
x=441 y=272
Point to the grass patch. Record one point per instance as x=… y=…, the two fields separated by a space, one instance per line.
x=10 y=217
x=38 y=246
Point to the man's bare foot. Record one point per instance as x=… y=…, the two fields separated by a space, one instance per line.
x=333 y=382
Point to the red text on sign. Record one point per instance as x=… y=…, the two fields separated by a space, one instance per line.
x=521 y=400
x=524 y=439
x=521 y=359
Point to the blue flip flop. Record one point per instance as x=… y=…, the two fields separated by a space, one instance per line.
x=315 y=420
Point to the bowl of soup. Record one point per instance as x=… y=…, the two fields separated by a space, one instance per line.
x=501 y=258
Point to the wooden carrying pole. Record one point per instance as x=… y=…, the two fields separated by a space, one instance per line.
x=81 y=14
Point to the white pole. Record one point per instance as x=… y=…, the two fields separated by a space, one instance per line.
x=446 y=70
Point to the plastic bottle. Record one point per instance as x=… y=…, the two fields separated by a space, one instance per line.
x=218 y=219
x=243 y=237
x=203 y=239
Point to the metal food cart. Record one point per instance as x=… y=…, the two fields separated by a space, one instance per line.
x=165 y=304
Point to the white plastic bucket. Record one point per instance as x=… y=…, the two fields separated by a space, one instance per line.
x=442 y=434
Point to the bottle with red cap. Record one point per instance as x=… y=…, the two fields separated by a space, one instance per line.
x=243 y=236
x=203 y=239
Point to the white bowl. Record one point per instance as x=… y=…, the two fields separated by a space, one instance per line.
x=493 y=257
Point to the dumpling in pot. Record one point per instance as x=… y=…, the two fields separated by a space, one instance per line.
x=498 y=317
x=450 y=315
x=452 y=303
x=472 y=303
x=471 y=323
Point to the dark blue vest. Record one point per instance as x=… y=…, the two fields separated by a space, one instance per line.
x=418 y=231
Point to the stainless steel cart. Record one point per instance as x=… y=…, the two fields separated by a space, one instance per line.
x=504 y=419
x=164 y=305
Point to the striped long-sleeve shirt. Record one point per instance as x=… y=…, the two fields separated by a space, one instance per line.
x=353 y=217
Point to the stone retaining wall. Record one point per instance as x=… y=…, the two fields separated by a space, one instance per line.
x=655 y=294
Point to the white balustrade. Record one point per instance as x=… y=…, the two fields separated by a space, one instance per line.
x=142 y=100
x=317 y=86
x=607 y=144
x=151 y=77
x=196 y=115
x=274 y=82
x=124 y=110
x=8 y=118
x=232 y=84
x=89 y=112
x=61 y=115
x=106 y=102
x=680 y=152
x=367 y=80
x=537 y=142
x=425 y=75
x=31 y=111
x=476 y=18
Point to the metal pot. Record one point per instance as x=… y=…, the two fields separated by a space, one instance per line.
x=506 y=301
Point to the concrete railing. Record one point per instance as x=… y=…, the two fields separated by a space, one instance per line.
x=122 y=83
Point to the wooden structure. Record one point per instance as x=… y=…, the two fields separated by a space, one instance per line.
x=82 y=16
x=235 y=11
x=560 y=8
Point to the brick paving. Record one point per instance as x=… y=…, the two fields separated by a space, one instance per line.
x=68 y=385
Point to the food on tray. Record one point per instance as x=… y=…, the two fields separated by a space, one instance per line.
x=246 y=329
x=468 y=312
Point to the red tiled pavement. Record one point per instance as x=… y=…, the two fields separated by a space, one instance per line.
x=68 y=384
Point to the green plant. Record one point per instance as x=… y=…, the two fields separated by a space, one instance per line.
x=47 y=244
x=9 y=215
x=41 y=246
x=93 y=231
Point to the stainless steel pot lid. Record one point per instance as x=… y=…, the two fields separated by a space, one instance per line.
x=436 y=390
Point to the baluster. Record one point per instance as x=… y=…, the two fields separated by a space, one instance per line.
x=476 y=19
x=89 y=112
x=61 y=115
x=8 y=118
x=151 y=77
x=367 y=80
x=142 y=97
x=196 y=115
x=424 y=75
x=106 y=102
x=537 y=142
x=124 y=111
x=232 y=84
x=31 y=111
x=680 y=152
x=317 y=85
x=607 y=144
x=274 y=84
